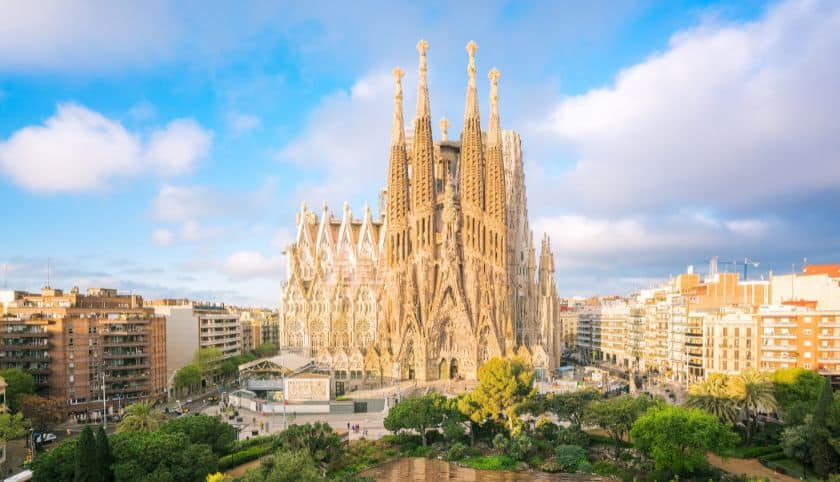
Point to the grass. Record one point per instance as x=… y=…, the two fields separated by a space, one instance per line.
x=744 y=452
x=491 y=462
x=793 y=468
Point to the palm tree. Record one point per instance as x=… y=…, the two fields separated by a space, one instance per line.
x=140 y=417
x=753 y=392
x=713 y=396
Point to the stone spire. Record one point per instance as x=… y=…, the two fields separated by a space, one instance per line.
x=422 y=170
x=494 y=171
x=397 y=210
x=472 y=163
x=444 y=127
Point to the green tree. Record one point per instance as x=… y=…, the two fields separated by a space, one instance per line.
x=13 y=426
x=188 y=376
x=318 y=440
x=714 y=396
x=207 y=359
x=678 y=438
x=86 y=468
x=796 y=391
x=203 y=429
x=18 y=383
x=286 y=466
x=160 y=456
x=44 y=412
x=824 y=457
x=796 y=442
x=265 y=350
x=104 y=460
x=752 y=392
x=569 y=406
x=417 y=414
x=503 y=385
x=617 y=415
x=140 y=417
x=56 y=464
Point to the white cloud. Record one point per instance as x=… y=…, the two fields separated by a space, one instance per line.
x=78 y=149
x=251 y=264
x=729 y=115
x=162 y=237
x=241 y=123
x=177 y=148
x=346 y=140
x=72 y=35
x=581 y=241
x=183 y=203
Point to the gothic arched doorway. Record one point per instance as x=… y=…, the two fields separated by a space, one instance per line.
x=453 y=369
x=411 y=372
x=443 y=369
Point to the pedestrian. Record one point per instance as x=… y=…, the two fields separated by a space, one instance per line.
x=348 y=426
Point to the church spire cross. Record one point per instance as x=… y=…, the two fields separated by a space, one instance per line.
x=494 y=133
x=444 y=127
x=422 y=85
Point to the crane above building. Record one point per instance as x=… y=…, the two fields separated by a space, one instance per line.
x=746 y=263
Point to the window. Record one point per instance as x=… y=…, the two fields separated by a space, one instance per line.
x=807 y=342
x=807 y=354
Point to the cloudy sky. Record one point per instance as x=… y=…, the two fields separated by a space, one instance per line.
x=163 y=147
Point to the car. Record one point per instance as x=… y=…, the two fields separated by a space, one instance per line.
x=45 y=438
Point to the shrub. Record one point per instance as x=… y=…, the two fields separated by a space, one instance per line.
x=453 y=431
x=551 y=466
x=421 y=451
x=500 y=443
x=519 y=446
x=433 y=436
x=491 y=462
x=751 y=452
x=536 y=461
x=609 y=469
x=574 y=436
x=456 y=452
x=546 y=429
x=238 y=458
x=569 y=457
x=585 y=467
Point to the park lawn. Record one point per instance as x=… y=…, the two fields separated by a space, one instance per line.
x=794 y=469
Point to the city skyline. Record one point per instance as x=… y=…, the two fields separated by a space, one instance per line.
x=189 y=158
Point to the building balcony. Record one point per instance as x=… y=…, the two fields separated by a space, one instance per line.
x=828 y=337
x=779 y=359
x=23 y=334
x=786 y=336
x=138 y=366
x=138 y=388
x=779 y=347
x=772 y=322
x=829 y=360
x=129 y=354
x=24 y=346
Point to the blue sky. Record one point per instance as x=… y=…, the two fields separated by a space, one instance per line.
x=164 y=147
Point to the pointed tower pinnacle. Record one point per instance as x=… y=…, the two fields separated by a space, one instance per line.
x=397 y=205
x=495 y=179
x=422 y=169
x=472 y=165
x=444 y=127
x=494 y=134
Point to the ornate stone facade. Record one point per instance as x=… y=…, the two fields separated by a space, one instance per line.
x=445 y=278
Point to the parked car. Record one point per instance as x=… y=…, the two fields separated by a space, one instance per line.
x=45 y=438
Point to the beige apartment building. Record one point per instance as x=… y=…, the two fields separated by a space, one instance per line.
x=192 y=325
x=75 y=345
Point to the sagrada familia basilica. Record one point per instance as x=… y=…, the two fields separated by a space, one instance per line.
x=445 y=278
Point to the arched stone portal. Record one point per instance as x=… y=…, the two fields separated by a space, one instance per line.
x=443 y=369
x=453 y=369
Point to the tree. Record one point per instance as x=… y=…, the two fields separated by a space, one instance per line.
x=286 y=466
x=265 y=350
x=796 y=442
x=148 y=456
x=824 y=457
x=416 y=414
x=86 y=468
x=503 y=385
x=796 y=391
x=56 y=464
x=617 y=415
x=203 y=429
x=44 y=412
x=188 y=376
x=714 y=396
x=18 y=383
x=13 y=426
x=104 y=460
x=753 y=393
x=569 y=406
x=568 y=457
x=140 y=417
x=207 y=359
x=318 y=440
x=678 y=438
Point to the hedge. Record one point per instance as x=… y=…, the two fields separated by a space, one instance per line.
x=239 y=458
x=752 y=452
x=241 y=445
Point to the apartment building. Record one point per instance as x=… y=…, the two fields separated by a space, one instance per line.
x=731 y=342
x=191 y=325
x=78 y=346
x=799 y=336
